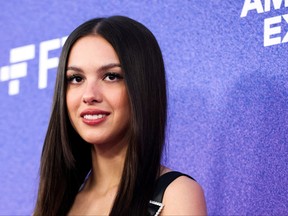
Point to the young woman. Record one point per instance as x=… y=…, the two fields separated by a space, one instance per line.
x=103 y=147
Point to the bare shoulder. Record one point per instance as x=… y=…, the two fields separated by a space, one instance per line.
x=184 y=196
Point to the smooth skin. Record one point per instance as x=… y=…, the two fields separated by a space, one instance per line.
x=183 y=196
x=98 y=108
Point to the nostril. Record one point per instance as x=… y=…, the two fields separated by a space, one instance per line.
x=92 y=94
x=90 y=100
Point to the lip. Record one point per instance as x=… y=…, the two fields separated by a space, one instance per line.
x=92 y=122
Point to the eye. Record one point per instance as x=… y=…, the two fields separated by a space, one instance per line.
x=74 y=79
x=112 y=77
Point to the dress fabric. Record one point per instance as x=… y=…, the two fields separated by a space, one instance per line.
x=155 y=205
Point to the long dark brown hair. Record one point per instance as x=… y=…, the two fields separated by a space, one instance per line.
x=66 y=157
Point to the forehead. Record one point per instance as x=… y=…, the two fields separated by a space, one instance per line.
x=92 y=49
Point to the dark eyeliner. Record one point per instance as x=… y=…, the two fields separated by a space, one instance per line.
x=70 y=78
x=116 y=75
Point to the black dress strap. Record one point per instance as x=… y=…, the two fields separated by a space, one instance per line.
x=163 y=182
x=155 y=205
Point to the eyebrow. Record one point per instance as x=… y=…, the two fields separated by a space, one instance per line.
x=102 y=68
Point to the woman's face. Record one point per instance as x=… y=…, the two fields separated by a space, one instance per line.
x=96 y=98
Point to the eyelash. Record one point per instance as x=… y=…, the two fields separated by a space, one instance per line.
x=114 y=76
x=71 y=78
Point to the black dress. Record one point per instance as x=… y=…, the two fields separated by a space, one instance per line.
x=156 y=205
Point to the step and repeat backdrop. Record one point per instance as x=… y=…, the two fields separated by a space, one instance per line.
x=227 y=78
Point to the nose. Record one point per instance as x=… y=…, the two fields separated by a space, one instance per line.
x=92 y=94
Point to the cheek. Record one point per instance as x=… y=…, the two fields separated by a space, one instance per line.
x=122 y=101
x=72 y=102
x=72 y=107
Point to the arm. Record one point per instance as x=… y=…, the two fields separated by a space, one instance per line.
x=184 y=197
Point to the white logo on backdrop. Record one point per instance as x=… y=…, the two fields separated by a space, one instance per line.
x=19 y=64
x=272 y=26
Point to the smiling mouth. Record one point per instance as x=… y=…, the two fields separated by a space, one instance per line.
x=94 y=117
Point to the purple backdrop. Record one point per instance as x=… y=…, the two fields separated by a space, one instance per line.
x=226 y=64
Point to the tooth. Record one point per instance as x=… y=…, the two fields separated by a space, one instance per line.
x=91 y=117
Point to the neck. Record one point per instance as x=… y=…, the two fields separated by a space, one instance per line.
x=107 y=165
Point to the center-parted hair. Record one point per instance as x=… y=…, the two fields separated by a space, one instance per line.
x=66 y=158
